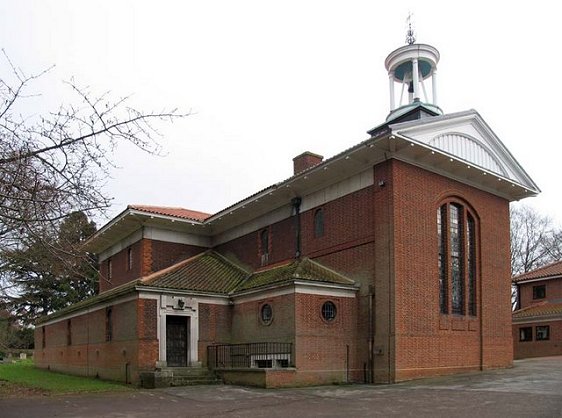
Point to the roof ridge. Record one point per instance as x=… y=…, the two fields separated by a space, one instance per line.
x=227 y=260
x=273 y=266
x=154 y=275
x=262 y=269
x=316 y=263
x=300 y=266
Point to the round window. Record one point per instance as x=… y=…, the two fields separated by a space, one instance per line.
x=266 y=313
x=329 y=311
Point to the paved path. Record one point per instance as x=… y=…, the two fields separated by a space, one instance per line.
x=533 y=388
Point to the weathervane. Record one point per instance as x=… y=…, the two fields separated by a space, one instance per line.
x=410 y=37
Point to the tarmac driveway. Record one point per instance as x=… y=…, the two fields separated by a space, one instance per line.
x=533 y=388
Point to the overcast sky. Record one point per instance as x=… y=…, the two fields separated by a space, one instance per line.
x=267 y=80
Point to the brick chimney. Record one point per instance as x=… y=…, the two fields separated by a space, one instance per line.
x=306 y=160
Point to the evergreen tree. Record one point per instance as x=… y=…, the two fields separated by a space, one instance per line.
x=50 y=271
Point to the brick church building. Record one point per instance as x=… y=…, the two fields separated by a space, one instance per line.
x=537 y=321
x=386 y=262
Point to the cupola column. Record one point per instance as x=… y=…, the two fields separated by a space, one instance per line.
x=391 y=85
x=416 y=78
x=434 y=87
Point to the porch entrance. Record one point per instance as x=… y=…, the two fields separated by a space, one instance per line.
x=177 y=337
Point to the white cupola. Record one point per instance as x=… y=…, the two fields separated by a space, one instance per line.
x=414 y=69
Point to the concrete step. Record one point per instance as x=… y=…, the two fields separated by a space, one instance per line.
x=179 y=376
x=187 y=376
x=189 y=371
x=183 y=381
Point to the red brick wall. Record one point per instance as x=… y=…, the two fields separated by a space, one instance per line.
x=147 y=319
x=427 y=342
x=119 y=267
x=385 y=237
x=165 y=254
x=384 y=285
x=215 y=322
x=148 y=256
x=321 y=347
x=242 y=250
x=90 y=354
x=553 y=291
x=247 y=251
x=534 y=348
x=348 y=222
x=247 y=325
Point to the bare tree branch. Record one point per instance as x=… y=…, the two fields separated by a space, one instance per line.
x=535 y=242
x=55 y=164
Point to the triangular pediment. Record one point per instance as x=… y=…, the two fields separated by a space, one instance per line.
x=466 y=136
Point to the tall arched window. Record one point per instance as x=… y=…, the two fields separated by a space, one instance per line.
x=456 y=231
x=319 y=223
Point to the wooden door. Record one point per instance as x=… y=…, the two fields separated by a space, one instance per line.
x=176 y=341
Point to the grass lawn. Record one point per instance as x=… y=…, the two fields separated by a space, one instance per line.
x=25 y=375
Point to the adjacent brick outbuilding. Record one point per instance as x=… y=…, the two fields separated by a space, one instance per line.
x=537 y=323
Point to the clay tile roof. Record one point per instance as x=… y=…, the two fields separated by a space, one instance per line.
x=541 y=309
x=303 y=269
x=211 y=272
x=206 y=272
x=171 y=211
x=554 y=269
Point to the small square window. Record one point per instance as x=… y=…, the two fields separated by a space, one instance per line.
x=283 y=363
x=539 y=292
x=542 y=333
x=264 y=364
x=526 y=334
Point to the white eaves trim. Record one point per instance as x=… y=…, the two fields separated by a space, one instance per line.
x=295 y=287
x=201 y=297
